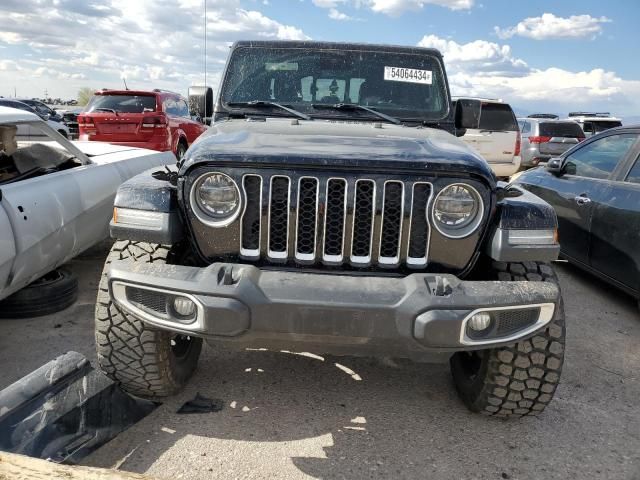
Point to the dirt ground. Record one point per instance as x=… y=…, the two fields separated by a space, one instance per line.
x=295 y=416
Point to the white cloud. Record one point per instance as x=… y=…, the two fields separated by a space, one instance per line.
x=549 y=26
x=486 y=58
x=394 y=7
x=335 y=14
x=398 y=7
x=151 y=43
x=486 y=69
x=328 y=3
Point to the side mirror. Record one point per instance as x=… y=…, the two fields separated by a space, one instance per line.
x=554 y=165
x=201 y=102
x=467 y=114
x=46 y=117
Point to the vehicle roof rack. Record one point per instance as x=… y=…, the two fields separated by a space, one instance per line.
x=589 y=114
x=550 y=116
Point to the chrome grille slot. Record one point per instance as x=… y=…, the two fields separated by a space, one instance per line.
x=334 y=220
x=363 y=220
x=392 y=213
x=313 y=220
x=251 y=219
x=306 y=234
x=419 y=227
x=279 y=206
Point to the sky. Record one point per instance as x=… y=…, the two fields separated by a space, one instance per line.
x=540 y=56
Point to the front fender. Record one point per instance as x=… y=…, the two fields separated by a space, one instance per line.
x=146 y=208
x=525 y=228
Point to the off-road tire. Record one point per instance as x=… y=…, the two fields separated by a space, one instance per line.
x=519 y=379
x=138 y=357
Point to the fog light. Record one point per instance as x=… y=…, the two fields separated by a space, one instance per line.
x=480 y=321
x=184 y=306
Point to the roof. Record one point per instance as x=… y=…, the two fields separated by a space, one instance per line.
x=335 y=46
x=481 y=99
x=598 y=118
x=547 y=120
x=13 y=115
x=127 y=92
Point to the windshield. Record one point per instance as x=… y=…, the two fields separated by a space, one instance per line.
x=406 y=86
x=28 y=149
x=122 y=103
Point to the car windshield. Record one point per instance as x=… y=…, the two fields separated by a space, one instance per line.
x=561 y=129
x=406 y=86
x=122 y=103
x=29 y=149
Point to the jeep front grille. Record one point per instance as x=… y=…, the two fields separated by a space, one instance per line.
x=309 y=220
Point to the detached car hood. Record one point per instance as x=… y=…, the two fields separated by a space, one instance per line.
x=336 y=144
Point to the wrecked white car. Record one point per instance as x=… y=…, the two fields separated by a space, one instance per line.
x=56 y=200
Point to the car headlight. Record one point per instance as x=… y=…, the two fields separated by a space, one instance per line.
x=215 y=198
x=457 y=210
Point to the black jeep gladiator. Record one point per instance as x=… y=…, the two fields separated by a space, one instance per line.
x=331 y=208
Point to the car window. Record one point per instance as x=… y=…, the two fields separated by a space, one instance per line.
x=497 y=117
x=183 y=109
x=27 y=153
x=561 y=129
x=122 y=103
x=598 y=159
x=18 y=105
x=601 y=126
x=176 y=107
x=634 y=174
x=526 y=127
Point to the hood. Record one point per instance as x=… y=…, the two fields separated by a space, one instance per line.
x=353 y=145
x=93 y=149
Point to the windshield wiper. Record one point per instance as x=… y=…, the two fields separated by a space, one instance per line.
x=266 y=104
x=355 y=106
x=101 y=109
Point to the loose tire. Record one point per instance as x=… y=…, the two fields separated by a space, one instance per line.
x=518 y=379
x=147 y=362
x=51 y=293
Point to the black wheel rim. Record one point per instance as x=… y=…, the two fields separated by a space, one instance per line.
x=49 y=278
x=181 y=345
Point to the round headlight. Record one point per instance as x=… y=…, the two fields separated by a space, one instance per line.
x=216 y=199
x=457 y=210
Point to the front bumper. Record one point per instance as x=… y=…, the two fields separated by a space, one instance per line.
x=417 y=312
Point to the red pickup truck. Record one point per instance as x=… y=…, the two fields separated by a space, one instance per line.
x=157 y=119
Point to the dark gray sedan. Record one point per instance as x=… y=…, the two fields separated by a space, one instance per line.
x=595 y=190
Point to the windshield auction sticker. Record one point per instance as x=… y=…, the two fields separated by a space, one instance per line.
x=411 y=75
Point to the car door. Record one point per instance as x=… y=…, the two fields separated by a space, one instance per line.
x=615 y=227
x=585 y=182
x=7 y=247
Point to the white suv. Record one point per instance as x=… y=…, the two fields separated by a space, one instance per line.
x=495 y=133
x=595 y=122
